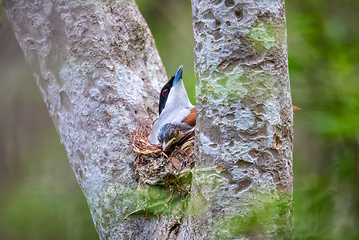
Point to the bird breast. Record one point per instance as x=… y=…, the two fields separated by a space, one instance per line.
x=190 y=119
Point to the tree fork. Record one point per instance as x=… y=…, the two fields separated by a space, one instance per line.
x=99 y=72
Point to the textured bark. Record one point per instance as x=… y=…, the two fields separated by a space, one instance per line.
x=99 y=72
x=244 y=121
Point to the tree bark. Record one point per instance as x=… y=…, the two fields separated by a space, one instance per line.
x=99 y=72
x=243 y=177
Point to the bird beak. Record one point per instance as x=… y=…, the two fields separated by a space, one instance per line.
x=166 y=145
x=178 y=75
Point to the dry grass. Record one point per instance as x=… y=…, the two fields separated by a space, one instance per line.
x=153 y=165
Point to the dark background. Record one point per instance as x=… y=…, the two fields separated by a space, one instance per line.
x=40 y=198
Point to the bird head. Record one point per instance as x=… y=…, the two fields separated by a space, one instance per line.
x=174 y=107
x=168 y=134
x=171 y=133
x=165 y=91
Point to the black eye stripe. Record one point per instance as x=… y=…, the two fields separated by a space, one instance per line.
x=165 y=91
x=164 y=94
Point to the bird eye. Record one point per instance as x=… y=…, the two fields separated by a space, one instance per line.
x=165 y=91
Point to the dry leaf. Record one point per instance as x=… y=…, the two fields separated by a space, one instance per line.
x=295 y=108
x=170 y=167
x=278 y=143
x=176 y=163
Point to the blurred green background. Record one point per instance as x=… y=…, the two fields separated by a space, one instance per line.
x=40 y=198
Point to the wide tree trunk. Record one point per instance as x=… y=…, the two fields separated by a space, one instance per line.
x=99 y=72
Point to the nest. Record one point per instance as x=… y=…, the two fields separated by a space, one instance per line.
x=164 y=177
x=154 y=166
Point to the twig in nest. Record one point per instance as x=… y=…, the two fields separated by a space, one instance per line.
x=139 y=138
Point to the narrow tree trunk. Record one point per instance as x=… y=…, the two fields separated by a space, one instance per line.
x=243 y=179
x=99 y=72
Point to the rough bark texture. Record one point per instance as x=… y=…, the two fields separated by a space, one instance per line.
x=99 y=72
x=243 y=179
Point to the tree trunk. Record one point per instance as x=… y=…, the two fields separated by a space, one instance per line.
x=99 y=72
x=243 y=177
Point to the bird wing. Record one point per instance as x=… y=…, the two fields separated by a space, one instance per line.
x=191 y=118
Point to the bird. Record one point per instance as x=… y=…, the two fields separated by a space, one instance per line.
x=176 y=113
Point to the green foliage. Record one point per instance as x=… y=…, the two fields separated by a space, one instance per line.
x=159 y=201
x=267 y=217
x=323 y=64
x=45 y=201
x=164 y=199
x=170 y=22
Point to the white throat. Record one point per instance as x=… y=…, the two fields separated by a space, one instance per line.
x=178 y=97
x=176 y=109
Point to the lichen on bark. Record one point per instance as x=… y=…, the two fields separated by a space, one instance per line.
x=244 y=120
